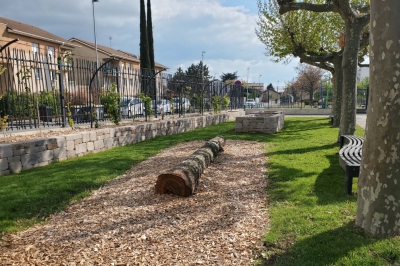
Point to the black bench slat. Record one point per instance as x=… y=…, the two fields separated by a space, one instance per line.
x=350 y=155
x=351 y=140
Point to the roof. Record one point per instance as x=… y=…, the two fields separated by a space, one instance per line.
x=32 y=31
x=118 y=54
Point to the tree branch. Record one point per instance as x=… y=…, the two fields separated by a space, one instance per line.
x=288 y=5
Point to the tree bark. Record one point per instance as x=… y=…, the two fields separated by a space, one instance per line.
x=378 y=202
x=183 y=179
x=349 y=67
x=337 y=89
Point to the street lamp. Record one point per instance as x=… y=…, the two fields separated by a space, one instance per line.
x=202 y=81
x=202 y=67
x=95 y=39
x=247 y=84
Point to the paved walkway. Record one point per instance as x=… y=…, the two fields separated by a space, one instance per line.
x=361 y=120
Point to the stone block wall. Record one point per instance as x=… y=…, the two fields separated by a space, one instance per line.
x=265 y=122
x=20 y=156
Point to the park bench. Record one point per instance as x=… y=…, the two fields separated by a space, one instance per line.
x=350 y=158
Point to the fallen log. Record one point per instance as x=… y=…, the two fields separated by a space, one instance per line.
x=183 y=178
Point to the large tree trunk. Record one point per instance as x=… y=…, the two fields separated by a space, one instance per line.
x=378 y=203
x=182 y=179
x=349 y=67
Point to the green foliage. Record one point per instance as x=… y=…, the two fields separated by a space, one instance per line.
x=3 y=122
x=225 y=102
x=2 y=69
x=66 y=59
x=147 y=104
x=171 y=103
x=288 y=35
x=194 y=70
x=69 y=116
x=24 y=75
x=364 y=83
x=229 y=76
x=110 y=100
x=95 y=120
x=216 y=102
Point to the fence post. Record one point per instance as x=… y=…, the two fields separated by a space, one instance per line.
x=62 y=99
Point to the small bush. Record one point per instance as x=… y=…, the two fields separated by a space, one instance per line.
x=110 y=99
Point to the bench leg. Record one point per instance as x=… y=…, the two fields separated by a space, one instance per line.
x=348 y=183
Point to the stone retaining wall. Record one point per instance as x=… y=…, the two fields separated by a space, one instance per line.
x=20 y=156
x=268 y=122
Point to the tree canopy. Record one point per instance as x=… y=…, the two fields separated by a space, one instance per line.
x=229 y=76
x=194 y=70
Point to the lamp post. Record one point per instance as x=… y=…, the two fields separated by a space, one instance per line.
x=95 y=48
x=202 y=67
x=247 y=84
x=95 y=39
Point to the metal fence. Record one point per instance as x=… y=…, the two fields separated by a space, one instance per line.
x=43 y=91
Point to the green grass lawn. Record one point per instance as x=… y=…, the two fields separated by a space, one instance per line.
x=311 y=218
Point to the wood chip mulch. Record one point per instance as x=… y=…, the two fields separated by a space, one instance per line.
x=125 y=223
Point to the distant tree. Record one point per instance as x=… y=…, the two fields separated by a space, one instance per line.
x=196 y=70
x=229 y=76
x=308 y=78
x=270 y=87
x=179 y=72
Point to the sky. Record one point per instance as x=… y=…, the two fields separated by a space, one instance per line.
x=183 y=29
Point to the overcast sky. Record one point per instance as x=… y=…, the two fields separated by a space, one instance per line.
x=183 y=29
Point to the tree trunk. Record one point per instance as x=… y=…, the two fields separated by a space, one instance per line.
x=349 y=67
x=337 y=90
x=378 y=203
x=182 y=179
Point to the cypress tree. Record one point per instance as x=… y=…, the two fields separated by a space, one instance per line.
x=144 y=46
x=150 y=36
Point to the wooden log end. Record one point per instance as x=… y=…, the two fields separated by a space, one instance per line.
x=170 y=183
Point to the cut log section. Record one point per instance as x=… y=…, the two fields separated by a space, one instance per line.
x=183 y=178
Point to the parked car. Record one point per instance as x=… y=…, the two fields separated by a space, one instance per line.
x=130 y=106
x=184 y=105
x=162 y=105
x=250 y=103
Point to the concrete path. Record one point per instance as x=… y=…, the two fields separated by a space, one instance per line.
x=361 y=120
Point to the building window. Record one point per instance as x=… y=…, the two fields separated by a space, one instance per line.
x=130 y=67
x=38 y=73
x=122 y=66
x=35 y=48
x=131 y=82
x=50 y=51
x=124 y=81
x=53 y=75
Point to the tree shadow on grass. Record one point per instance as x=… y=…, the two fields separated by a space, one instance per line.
x=329 y=185
x=325 y=248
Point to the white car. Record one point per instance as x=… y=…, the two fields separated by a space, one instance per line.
x=181 y=103
x=130 y=106
x=162 y=105
x=250 y=103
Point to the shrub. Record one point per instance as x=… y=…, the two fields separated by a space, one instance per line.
x=110 y=99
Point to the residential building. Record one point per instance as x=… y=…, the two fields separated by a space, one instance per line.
x=119 y=66
x=32 y=45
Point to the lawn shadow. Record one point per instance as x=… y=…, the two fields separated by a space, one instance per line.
x=333 y=245
x=329 y=184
